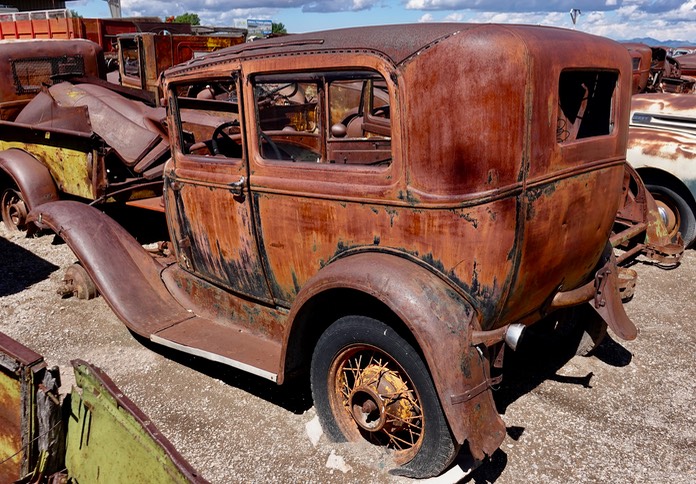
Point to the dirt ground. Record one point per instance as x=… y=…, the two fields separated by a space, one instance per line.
x=624 y=415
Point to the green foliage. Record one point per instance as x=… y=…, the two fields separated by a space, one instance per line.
x=187 y=18
x=74 y=13
x=278 y=28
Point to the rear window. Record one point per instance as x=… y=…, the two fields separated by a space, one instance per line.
x=31 y=73
x=585 y=104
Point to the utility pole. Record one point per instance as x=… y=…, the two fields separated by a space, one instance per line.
x=574 y=13
x=115 y=8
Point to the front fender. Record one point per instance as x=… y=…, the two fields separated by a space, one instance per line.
x=441 y=321
x=30 y=175
x=671 y=152
x=127 y=277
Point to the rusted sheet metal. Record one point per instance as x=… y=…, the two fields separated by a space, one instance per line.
x=70 y=129
x=20 y=370
x=670 y=151
x=641 y=56
x=110 y=438
x=27 y=65
x=68 y=168
x=688 y=64
x=663 y=135
x=130 y=128
x=669 y=105
x=100 y=434
x=639 y=215
x=219 y=305
x=32 y=177
x=144 y=56
x=128 y=277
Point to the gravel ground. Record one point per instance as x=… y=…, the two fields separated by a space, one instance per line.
x=624 y=415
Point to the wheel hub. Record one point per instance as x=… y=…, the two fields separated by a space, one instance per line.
x=14 y=210
x=367 y=409
x=380 y=401
x=669 y=217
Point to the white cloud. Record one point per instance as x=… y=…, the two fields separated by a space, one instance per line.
x=622 y=19
x=454 y=17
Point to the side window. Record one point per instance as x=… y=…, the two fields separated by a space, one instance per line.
x=208 y=117
x=340 y=118
x=130 y=57
x=289 y=124
x=586 y=104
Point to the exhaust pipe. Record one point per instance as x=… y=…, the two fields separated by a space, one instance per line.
x=513 y=335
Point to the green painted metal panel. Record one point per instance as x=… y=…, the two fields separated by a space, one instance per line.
x=110 y=440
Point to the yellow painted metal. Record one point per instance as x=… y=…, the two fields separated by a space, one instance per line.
x=71 y=169
x=10 y=427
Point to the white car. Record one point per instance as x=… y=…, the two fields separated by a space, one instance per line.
x=662 y=148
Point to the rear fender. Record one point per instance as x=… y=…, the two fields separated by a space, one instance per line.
x=30 y=175
x=441 y=321
x=125 y=274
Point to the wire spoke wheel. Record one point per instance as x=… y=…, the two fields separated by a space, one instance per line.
x=370 y=384
x=373 y=395
x=14 y=210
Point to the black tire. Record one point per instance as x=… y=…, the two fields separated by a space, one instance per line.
x=668 y=199
x=383 y=364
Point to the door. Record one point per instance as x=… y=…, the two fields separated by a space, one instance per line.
x=208 y=204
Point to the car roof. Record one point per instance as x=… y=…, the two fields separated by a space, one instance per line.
x=395 y=43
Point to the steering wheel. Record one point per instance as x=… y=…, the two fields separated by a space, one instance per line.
x=272 y=144
x=382 y=111
x=220 y=133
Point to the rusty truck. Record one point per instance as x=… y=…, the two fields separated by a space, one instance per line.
x=68 y=133
x=26 y=65
x=380 y=210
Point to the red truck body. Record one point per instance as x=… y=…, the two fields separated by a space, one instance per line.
x=100 y=31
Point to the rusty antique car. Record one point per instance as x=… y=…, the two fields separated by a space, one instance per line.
x=80 y=141
x=380 y=208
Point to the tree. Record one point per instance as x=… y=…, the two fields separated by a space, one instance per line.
x=278 y=28
x=75 y=14
x=187 y=18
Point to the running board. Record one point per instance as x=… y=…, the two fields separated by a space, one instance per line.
x=230 y=346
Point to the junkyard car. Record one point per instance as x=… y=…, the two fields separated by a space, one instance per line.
x=87 y=139
x=662 y=149
x=380 y=208
x=26 y=65
x=93 y=141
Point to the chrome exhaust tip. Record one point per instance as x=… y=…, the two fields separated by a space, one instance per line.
x=513 y=335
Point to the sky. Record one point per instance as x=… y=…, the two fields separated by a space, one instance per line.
x=617 y=19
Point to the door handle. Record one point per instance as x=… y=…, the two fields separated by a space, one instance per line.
x=237 y=188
